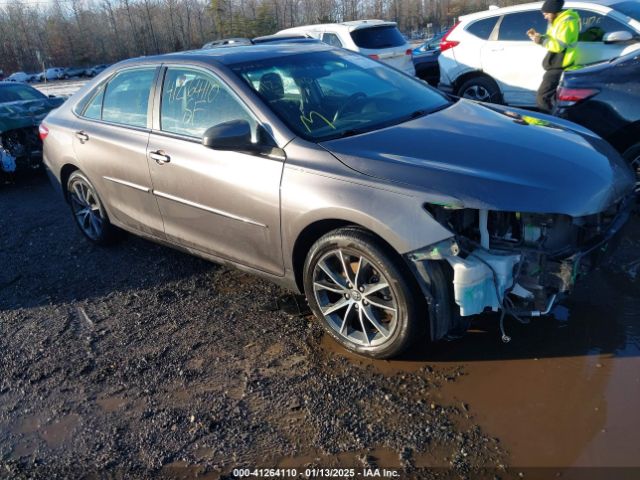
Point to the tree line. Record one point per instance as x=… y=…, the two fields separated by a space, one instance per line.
x=87 y=32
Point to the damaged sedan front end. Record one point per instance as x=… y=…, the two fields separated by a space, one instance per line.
x=516 y=262
x=22 y=108
x=534 y=204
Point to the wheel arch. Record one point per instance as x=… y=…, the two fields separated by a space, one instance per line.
x=471 y=75
x=65 y=173
x=312 y=232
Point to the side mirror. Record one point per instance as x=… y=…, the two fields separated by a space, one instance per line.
x=617 y=37
x=232 y=135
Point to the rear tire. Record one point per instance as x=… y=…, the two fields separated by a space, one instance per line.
x=88 y=212
x=481 y=89
x=363 y=295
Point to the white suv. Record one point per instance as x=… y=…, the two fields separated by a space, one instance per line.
x=487 y=55
x=377 y=39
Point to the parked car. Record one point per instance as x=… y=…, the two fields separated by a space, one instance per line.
x=54 y=73
x=227 y=41
x=95 y=70
x=605 y=98
x=377 y=39
x=74 y=72
x=430 y=44
x=283 y=38
x=487 y=56
x=18 y=77
x=396 y=210
x=22 y=108
x=425 y=60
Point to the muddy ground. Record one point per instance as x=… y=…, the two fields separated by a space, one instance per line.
x=138 y=361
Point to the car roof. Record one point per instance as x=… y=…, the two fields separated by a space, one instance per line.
x=349 y=26
x=534 y=6
x=229 y=55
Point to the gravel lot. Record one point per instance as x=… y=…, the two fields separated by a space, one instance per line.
x=138 y=360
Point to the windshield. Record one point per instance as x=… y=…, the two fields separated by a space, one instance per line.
x=630 y=9
x=18 y=93
x=336 y=93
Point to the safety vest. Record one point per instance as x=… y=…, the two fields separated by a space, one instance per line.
x=562 y=36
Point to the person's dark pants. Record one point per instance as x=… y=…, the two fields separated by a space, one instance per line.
x=547 y=90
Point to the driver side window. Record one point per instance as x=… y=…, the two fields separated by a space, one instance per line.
x=193 y=101
x=594 y=26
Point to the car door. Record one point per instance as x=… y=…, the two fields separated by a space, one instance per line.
x=513 y=60
x=112 y=133
x=226 y=203
x=593 y=27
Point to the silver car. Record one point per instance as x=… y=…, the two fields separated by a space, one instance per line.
x=398 y=211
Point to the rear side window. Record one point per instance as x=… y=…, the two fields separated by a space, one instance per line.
x=126 y=98
x=94 y=108
x=378 y=37
x=594 y=26
x=331 y=39
x=514 y=26
x=193 y=101
x=483 y=28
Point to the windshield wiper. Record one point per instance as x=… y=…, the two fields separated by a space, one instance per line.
x=351 y=132
x=418 y=113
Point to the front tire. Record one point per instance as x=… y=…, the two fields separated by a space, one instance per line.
x=88 y=211
x=364 y=296
x=481 y=89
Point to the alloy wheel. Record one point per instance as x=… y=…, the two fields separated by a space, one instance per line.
x=477 y=92
x=355 y=298
x=86 y=209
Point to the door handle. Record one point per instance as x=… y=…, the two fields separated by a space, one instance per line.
x=160 y=157
x=83 y=137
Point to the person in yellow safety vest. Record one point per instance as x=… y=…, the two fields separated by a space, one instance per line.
x=560 y=40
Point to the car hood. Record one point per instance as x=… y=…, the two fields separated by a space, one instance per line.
x=24 y=114
x=496 y=158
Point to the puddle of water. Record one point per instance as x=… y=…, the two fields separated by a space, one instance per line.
x=563 y=393
x=56 y=434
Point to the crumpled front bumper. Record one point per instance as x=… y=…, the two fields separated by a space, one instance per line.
x=482 y=279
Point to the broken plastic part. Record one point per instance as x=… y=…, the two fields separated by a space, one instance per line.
x=474 y=284
x=438 y=251
x=519 y=291
x=484 y=231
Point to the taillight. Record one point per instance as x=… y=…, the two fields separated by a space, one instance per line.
x=43 y=131
x=409 y=52
x=569 y=96
x=374 y=57
x=446 y=44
